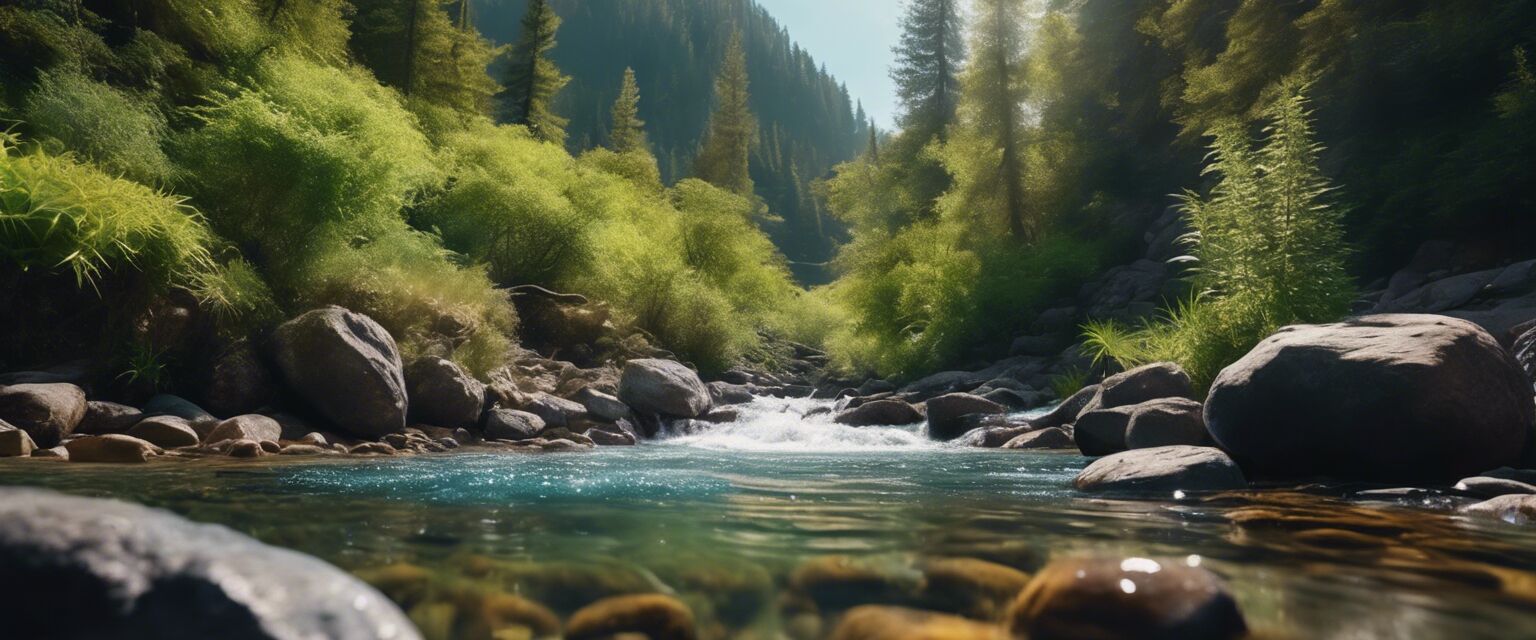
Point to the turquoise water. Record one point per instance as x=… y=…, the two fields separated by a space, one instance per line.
x=744 y=504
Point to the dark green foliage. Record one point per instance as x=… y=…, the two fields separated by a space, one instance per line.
x=723 y=160
x=807 y=122
x=628 y=132
x=533 y=81
x=418 y=48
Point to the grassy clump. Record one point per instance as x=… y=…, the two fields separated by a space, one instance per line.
x=117 y=131
x=1268 y=248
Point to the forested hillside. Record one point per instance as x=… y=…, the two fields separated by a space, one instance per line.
x=807 y=121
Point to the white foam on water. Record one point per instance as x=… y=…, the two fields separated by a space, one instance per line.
x=778 y=424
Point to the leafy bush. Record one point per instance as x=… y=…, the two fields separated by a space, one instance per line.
x=1268 y=249
x=119 y=132
x=56 y=213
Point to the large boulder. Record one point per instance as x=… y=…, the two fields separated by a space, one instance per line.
x=556 y=411
x=166 y=431
x=347 y=367
x=1068 y=411
x=1047 y=438
x=1162 y=470
x=1102 y=432
x=1166 y=422
x=111 y=448
x=134 y=572
x=47 y=412
x=509 y=424
x=1125 y=598
x=103 y=417
x=1150 y=382
x=601 y=405
x=880 y=413
x=1387 y=398
x=443 y=394
x=663 y=387
x=248 y=427
x=946 y=414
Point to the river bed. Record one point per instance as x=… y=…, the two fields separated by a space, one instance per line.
x=722 y=518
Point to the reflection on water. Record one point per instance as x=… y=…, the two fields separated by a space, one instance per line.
x=721 y=519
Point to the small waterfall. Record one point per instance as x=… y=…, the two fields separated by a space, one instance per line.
x=797 y=424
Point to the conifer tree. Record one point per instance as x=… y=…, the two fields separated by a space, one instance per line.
x=992 y=117
x=724 y=159
x=874 y=144
x=628 y=132
x=533 y=80
x=927 y=71
x=414 y=46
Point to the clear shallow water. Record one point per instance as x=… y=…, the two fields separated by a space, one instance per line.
x=722 y=517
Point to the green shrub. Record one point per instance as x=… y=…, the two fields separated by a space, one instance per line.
x=1268 y=248
x=118 y=131
x=56 y=213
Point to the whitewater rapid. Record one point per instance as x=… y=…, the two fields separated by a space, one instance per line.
x=786 y=425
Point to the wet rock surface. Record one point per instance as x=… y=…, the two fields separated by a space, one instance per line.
x=663 y=387
x=47 y=412
x=1162 y=470
x=1125 y=598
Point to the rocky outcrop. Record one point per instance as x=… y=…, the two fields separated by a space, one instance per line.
x=134 y=572
x=1125 y=598
x=442 y=394
x=47 y=412
x=880 y=413
x=663 y=387
x=347 y=367
x=1166 y=422
x=946 y=414
x=1394 y=397
x=1162 y=470
x=239 y=381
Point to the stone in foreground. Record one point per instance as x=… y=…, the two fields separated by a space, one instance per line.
x=873 y=622
x=646 y=615
x=663 y=387
x=133 y=572
x=47 y=412
x=1125 y=598
x=347 y=367
x=1162 y=470
x=1383 y=398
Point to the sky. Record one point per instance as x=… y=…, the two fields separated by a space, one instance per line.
x=854 y=39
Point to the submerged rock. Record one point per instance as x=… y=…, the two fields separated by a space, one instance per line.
x=47 y=412
x=836 y=583
x=1162 y=470
x=1167 y=422
x=946 y=413
x=1125 y=598
x=111 y=448
x=347 y=367
x=1396 y=397
x=1514 y=509
x=442 y=394
x=970 y=587
x=895 y=623
x=134 y=572
x=880 y=413
x=663 y=387
x=646 y=615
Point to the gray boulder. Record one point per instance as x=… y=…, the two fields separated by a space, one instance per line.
x=1102 y=432
x=107 y=417
x=247 y=427
x=663 y=387
x=556 y=411
x=946 y=414
x=347 y=367
x=1048 y=438
x=728 y=393
x=1514 y=509
x=136 y=573
x=443 y=394
x=1162 y=470
x=1150 y=382
x=1383 y=398
x=1167 y=422
x=47 y=412
x=883 y=413
x=509 y=424
x=601 y=405
x=1068 y=411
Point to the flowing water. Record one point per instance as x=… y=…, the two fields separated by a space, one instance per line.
x=721 y=518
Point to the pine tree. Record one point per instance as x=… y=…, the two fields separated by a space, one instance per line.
x=927 y=71
x=414 y=46
x=874 y=144
x=628 y=132
x=992 y=117
x=533 y=80
x=723 y=160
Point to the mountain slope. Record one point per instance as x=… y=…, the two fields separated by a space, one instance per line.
x=807 y=121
